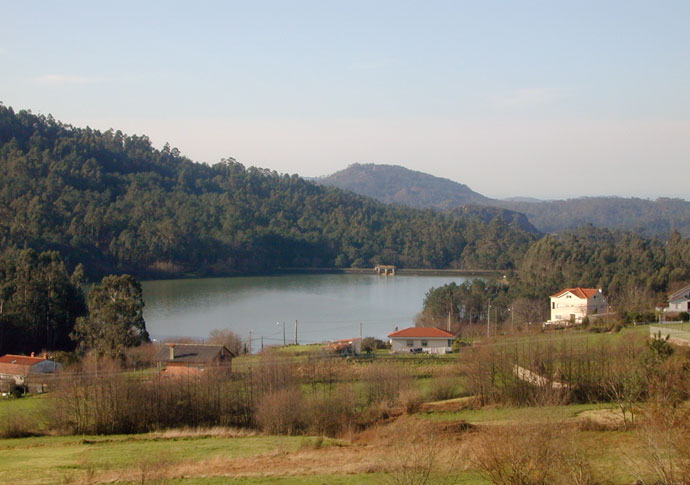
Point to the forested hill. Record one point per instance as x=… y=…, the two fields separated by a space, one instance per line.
x=650 y=217
x=398 y=185
x=393 y=184
x=116 y=204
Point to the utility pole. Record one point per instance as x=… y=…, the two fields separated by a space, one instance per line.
x=295 y=332
x=512 y=319
x=450 y=305
x=250 y=342
x=488 y=320
x=262 y=344
x=278 y=323
x=360 y=329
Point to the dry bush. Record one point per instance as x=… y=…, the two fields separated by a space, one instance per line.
x=282 y=412
x=15 y=425
x=90 y=403
x=419 y=457
x=333 y=414
x=272 y=373
x=531 y=455
x=518 y=454
x=443 y=388
x=664 y=432
x=410 y=399
x=141 y=356
x=383 y=382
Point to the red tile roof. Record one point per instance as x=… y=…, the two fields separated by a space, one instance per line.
x=20 y=359
x=421 y=332
x=583 y=293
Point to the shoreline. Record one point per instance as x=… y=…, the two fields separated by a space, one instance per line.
x=481 y=273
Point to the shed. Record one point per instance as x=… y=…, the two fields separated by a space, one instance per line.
x=193 y=359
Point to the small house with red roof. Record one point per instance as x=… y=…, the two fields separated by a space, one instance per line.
x=421 y=339
x=18 y=368
x=346 y=345
x=572 y=305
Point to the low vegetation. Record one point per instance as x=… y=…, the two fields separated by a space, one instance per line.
x=466 y=419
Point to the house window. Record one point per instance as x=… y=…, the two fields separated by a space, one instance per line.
x=425 y=343
x=553 y=305
x=450 y=342
x=410 y=343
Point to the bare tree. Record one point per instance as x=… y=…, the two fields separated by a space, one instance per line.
x=228 y=338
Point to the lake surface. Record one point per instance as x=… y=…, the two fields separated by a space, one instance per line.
x=327 y=307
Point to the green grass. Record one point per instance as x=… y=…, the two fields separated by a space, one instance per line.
x=52 y=459
x=519 y=415
x=29 y=408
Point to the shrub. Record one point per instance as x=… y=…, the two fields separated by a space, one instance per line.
x=684 y=316
x=383 y=382
x=518 y=454
x=411 y=399
x=443 y=388
x=282 y=412
x=334 y=414
x=17 y=426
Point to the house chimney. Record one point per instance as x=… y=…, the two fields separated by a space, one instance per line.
x=172 y=351
x=396 y=328
x=32 y=354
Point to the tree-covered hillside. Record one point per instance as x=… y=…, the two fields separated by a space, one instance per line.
x=398 y=185
x=393 y=184
x=116 y=204
x=650 y=217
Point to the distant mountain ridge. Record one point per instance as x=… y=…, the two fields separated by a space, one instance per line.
x=394 y=184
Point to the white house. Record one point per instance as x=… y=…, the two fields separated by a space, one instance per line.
x=574 y=304
x=679 y=301
x=421 y=339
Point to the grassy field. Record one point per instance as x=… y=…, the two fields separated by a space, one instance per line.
x=225 y=456
x=448 y=433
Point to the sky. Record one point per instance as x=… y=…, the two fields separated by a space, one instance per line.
x=547 y=99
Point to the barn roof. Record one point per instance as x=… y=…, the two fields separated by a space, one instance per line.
x=421 y=332
x=20 y=359
x=191 y=353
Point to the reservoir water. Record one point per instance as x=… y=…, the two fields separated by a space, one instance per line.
x=326 y=306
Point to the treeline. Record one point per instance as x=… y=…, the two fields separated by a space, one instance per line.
x=633 y=270
x=116 y=204
x=656 y=218
x=43 y=307
x=635 y=273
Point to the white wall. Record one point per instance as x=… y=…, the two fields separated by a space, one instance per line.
x=568 y=304
x=403 y=344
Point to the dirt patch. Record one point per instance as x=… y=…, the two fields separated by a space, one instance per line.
x=450 y=405
x=600 y=420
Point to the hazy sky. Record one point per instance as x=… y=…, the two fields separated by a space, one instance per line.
x=547 y=99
